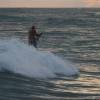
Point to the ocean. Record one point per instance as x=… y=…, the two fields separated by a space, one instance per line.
x=66 y=64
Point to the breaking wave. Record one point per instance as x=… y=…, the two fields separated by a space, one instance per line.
x=20 y=58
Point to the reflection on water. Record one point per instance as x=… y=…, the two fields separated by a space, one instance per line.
x=73 y=34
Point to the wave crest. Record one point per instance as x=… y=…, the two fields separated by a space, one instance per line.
x=18 y=57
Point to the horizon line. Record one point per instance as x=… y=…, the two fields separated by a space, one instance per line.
x=49 y=7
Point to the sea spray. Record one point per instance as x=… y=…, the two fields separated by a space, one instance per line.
x=18 y=57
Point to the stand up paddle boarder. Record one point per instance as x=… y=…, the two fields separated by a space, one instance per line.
x=33 y=37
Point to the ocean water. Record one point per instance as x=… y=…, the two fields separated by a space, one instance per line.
x=65 y=66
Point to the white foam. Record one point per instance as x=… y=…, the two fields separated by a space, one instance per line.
x=20 y=58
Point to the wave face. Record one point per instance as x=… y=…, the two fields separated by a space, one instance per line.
x=18 y=57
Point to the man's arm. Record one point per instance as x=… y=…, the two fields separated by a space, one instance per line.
x=39 y=34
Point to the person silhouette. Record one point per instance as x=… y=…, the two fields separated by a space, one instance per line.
x=33 y=36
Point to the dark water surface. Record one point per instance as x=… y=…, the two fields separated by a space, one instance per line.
x=73 y=34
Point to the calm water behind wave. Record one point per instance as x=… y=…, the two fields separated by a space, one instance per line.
x=73 y=34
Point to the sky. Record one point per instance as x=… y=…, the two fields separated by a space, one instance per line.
x=50 y=3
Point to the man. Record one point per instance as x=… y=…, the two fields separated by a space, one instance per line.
x=33 y=37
